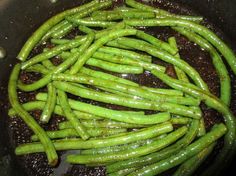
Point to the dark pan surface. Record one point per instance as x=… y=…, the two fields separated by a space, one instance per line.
x=15 y=132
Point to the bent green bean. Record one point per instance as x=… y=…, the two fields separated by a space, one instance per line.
x=47 y=144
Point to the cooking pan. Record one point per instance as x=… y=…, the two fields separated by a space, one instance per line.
x=18 y=19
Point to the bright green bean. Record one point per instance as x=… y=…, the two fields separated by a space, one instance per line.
x=69 y=133
x=101 y=124
x=90 y=23
x=86 y=29
x=49 y=105
x=74 y=144
x=38 y=68
x=117 y=68
x=28 y=119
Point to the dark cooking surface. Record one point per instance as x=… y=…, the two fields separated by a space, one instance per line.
x=36 y=164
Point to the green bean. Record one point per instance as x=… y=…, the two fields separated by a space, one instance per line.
x=43 y=29
x=116 y=115
x=118 y=92
x=62 y=67
x=79 y=128
x=39 y=105
x=99 y=74
x=49 y=105
x=128 y=61
x=117 y=68
x=97 y=44
x=156 y=42
x=29 y=120
x=125 y=53
x=180 y=120
x=113 y=149
x=86 y=29
x=119 y=15
x=48 y=64
x=161 y=13
x=167 y=58
x=136 y=91
x=52 y=52
x=38 y=68
x=210 y=100
x=225 y=84
x=115 y=44
x=101 y=124
x=58 y=26
x=191 y=165
x=74 y=144
x=90 y=23
x=201 y=30
x=185 y=154
x=163 y=91
x=59 y=41
x=160 y=155
x=130 y=153
x=68 y=133
x=66 y=28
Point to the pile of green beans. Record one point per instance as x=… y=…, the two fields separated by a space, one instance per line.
x=128 y=142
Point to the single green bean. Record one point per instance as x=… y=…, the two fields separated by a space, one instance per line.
x=167 y=58
x=90 y=23
x=28 y=119
x=210 y=100
x=86 y=29
x=161 y=13
x=43 y=29
x=116 y=115
x=191 y=165
x=99 y=74
x=136 y=91
x=125 y=53
x=191 y=150
x=74 y=144
x=50 y=104
x=79 y=128
x=115 y=44
x=156 y=42
x=160 y=155
x=180 y=120
x=38 y=68
x=123 y=172
x=117 y=68
x=201 y=30
x=101 y=124
x=130 y=153
x=93 y=132
x=97 y=44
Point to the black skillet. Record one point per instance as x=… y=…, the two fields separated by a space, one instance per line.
x=19 y=18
